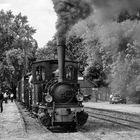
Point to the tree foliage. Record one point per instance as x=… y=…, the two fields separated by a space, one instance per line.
x=94 y=72
x=75 y=50
x=48 y=52
x=17 y=46
x=14 y=30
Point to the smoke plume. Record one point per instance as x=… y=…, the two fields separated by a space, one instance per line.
x=69 y=12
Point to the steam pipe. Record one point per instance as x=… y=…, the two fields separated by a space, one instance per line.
x=61 y=58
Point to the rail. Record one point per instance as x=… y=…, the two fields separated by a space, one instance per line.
x=121 y=118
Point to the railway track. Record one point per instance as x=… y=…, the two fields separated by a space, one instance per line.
x=121 y=118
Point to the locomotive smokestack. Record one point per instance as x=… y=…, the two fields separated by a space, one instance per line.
x=61 y=58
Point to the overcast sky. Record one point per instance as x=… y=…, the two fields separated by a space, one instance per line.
x=40 y=15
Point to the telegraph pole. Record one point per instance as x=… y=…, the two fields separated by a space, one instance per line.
x=24 y=43
x=25 y=60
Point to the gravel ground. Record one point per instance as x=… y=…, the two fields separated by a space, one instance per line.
x=100 y=130
x=94 y=129
x=31 y=129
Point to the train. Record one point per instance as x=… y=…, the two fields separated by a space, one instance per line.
x=52 y=93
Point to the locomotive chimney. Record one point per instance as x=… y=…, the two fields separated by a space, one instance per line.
x=61 y=57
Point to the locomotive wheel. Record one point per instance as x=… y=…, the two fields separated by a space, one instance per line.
x=82 y=118
x=46 y=120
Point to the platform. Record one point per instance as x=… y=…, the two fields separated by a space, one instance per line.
x=11 y=123
x=128 y=108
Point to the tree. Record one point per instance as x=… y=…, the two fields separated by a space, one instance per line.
x=48 y=52
x=17 y=61
x=75 y=50
x=14 y=29
x=94 y=72
x=16 y=42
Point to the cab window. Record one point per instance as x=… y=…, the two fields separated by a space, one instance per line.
x=40 y=73
x=70 y=72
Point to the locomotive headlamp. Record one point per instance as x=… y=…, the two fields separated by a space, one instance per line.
x=48 y=98
x=79 y=97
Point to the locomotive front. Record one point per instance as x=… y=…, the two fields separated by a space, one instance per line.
x=63 y=100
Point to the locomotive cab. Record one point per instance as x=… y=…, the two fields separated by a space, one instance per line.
x=54 y=102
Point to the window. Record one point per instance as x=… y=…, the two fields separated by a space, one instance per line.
x=40 y=73
x=70 y=72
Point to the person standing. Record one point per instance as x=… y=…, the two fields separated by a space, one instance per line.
x=1 y=101
x=5 y=97
x=110 y=98
x=11 y=97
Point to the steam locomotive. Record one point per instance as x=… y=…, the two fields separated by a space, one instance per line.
x=52 y=92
